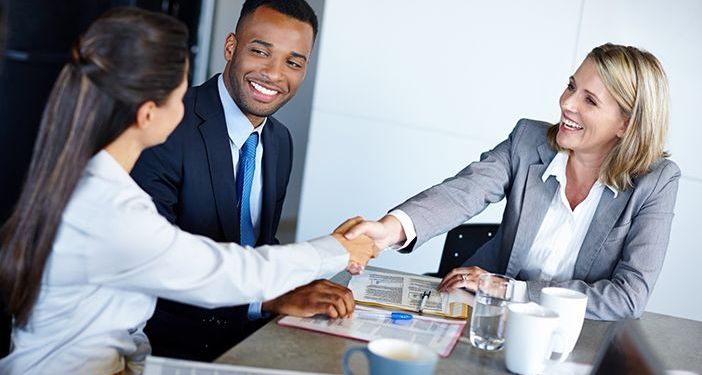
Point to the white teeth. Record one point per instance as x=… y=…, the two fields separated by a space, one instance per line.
x=571 y=124
x=262 y=89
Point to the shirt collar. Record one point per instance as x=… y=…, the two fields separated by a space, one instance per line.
x=238 y=126
x=105 y=166
x=557 y=169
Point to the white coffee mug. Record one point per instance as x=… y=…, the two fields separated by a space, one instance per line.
x=570 y=307
x=529 y=337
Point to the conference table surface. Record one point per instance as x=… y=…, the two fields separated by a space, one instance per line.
x=677 y=342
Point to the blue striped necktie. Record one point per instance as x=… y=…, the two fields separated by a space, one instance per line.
x=244 y=179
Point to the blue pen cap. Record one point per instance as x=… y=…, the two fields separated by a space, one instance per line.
x=400 y=316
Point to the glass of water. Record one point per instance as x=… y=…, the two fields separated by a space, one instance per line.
x=487 y=323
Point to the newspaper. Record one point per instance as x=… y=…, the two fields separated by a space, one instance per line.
x=404 y=291
x=168 y=366
x=438 y=334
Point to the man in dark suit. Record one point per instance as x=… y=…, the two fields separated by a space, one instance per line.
x=224 y=171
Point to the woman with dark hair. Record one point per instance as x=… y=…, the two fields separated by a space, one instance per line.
x=85 y=253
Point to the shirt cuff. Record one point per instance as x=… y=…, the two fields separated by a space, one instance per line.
x=255 y=312
x=520 y=293
x=407 y=226
x=333 y=256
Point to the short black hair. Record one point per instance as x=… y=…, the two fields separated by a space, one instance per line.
x=297 y=9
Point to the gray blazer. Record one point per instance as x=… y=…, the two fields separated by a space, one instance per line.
x=622 y=254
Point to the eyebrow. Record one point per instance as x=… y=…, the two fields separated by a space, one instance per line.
x=270 y=45
x=587 y=91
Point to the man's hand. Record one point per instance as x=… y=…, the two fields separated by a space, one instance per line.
x=386 y=232
x=361 y=248
x=461 y=277
x=317 y=297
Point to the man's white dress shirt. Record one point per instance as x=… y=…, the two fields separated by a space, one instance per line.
x=238 y=129
x=114 y=255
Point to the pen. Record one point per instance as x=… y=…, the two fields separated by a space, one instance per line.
x=392 y=315
x=423 y=300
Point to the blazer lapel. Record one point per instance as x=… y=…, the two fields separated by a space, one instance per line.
x=214 y=134
x=537 y=198
x=269 y=192
x=608 y=211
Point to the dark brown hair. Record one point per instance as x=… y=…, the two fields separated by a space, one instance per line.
x=127 y=57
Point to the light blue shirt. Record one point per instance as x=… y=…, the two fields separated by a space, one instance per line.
x=239 y=128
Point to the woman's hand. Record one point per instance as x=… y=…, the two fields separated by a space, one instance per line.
x=385 y=232
x=461 y=277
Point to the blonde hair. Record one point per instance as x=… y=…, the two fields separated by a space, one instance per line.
x=636 y=80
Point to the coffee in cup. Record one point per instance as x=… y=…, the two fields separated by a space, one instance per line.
x=392 y=356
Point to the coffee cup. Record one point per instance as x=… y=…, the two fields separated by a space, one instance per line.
x=530 y=336
x=570 y=306
x=392 y=356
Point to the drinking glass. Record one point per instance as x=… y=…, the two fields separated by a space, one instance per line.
x=487 y=323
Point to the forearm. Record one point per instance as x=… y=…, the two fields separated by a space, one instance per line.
x=606 y=299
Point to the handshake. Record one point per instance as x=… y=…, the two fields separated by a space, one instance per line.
x=364 y=239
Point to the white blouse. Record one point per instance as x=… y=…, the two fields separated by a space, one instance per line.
x=557 y=243
x=114 y=255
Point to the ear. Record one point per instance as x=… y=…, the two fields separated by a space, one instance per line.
x=622 y=128
x=145 y=114
x=229 y=46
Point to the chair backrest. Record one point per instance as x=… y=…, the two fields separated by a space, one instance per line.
x=5 y=330
x=462 y=242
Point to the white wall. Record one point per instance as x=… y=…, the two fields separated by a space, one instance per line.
x=409 y=92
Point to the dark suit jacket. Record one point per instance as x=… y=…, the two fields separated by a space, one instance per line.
x=191 y=179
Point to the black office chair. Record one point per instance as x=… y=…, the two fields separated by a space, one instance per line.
x=5 y=330
x=461 y=243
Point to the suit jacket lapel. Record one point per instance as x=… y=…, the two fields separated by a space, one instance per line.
x=537 y=198
x=213 y=129
x=269 y=193
x=608 y=211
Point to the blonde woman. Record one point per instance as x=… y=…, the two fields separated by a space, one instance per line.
x=589 y=200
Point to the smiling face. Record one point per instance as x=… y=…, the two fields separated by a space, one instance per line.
x=591 y=119
x=266 y=62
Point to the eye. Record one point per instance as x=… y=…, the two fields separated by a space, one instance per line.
x=294 y=64
x=570 y=87
x=258 y=52
x=591 y=101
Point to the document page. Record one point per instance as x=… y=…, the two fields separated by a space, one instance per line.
x=169 y=366
x=405 y=291
x=383 y=288
x=438 y=334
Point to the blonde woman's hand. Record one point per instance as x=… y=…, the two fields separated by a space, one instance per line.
x=461 y=277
